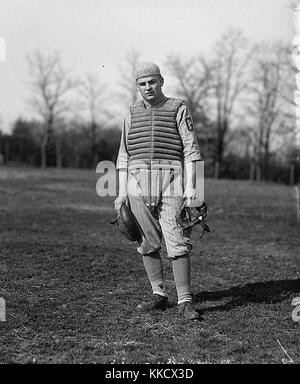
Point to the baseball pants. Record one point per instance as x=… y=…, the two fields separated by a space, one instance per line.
x=164 y=227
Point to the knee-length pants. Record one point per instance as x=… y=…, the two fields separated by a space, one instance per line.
x=155 y=229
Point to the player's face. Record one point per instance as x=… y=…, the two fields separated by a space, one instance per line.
x=150 y=87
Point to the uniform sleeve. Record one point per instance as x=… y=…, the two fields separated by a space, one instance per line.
x=191 y=150
x=123 y=156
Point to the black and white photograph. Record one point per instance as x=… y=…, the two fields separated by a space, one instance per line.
x=149 y=185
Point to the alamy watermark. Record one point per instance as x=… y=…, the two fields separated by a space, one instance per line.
x=162 y=178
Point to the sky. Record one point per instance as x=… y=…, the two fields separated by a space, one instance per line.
x=94 y=35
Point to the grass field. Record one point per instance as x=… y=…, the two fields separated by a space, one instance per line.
x=71 y=283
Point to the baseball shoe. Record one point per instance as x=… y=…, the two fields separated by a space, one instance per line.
x=157 y=302
x=186 y=310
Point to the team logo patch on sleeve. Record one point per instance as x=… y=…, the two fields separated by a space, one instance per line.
x=189 y=123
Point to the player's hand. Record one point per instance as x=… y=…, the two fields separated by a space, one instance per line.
x=189 y=195
x=121 y=199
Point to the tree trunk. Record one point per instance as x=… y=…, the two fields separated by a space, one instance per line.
x=266 y=164
x=259 y=154
x=258 y=172
x=58 y=152
x=220 y=149
x=94 y=144
x=95 y=160
x=217 y=170
x=267 y=154
x=77 y=158
x=45 y=139
x=44 y=152
x=252 y=172
x=6 y=157
x=292 y=174
x=222 y=129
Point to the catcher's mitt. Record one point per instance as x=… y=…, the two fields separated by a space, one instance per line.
x=126 y=223
x=189 y=216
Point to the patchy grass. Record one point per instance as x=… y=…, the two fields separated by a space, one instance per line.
x=71 y=283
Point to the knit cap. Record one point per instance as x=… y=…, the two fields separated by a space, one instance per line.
x=146 y=69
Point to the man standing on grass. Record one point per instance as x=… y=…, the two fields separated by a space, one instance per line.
x=158 y=130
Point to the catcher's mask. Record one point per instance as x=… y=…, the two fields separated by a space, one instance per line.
x=127 y=224
x=189 y=216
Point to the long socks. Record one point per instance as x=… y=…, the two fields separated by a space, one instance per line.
x=154 y=269
x=181 y=271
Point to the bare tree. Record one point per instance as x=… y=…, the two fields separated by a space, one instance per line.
x=268 y=103
x=194 y=82
x=92 y=93
x=230 y=61
x=127 y=76
x=50 y=84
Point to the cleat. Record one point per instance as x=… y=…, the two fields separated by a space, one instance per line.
x=187 y=311
x=157 y=302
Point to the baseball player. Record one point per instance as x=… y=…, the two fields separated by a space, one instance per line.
x=158 y=130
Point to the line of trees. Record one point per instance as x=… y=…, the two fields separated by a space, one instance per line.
x=240 y=97
x=243 y=94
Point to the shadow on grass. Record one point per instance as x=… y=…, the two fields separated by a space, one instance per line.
x=268 y=292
